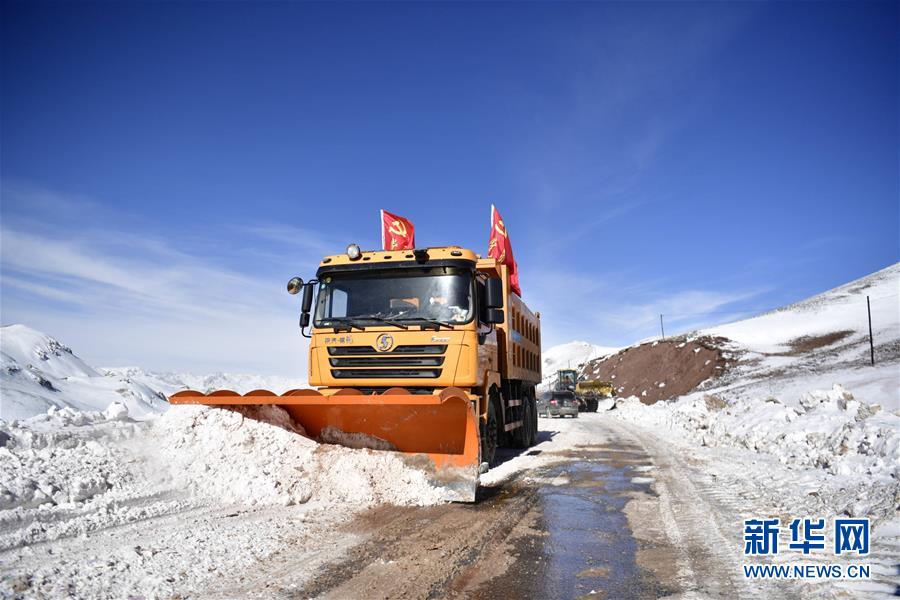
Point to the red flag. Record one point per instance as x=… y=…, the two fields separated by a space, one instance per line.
x=397 y=233
x=499 y=247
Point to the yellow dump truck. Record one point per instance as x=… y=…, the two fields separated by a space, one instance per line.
x=427 y=352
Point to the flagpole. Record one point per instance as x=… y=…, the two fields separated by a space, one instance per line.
x=381 y=226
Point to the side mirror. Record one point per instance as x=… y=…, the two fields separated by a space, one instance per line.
x=304 y=320
x=306 y=304
x=493 y=316
x=493 y=295
x=294 y=285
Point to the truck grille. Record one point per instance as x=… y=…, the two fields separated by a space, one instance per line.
x=362 y=350
x=384 y=361
x=403 y=362
x=385 y=373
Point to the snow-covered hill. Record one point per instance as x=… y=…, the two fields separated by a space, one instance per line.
x=37 y=373
x=840 y=310
x=570 y=356
x=821 y=341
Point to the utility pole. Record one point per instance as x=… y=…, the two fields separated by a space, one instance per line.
x=871 y=341
x=661 y=328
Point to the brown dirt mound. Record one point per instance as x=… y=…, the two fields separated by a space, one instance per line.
x=660 y=370
x=808 y=343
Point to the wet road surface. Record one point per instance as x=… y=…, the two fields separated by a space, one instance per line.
x=583 y=545
x=558 y=530
x=598 y=509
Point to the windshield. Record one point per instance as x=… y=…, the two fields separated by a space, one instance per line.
x=441 y=294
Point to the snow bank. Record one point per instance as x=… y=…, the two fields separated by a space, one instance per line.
x=66 y=459
x=831 y=430
x=157 y=507
x=257 y=455
x=61 y=458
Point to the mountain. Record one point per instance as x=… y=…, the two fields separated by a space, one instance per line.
x=38 y=372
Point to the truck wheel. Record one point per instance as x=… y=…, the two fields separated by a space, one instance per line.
x=530 y=429
x=489 y=435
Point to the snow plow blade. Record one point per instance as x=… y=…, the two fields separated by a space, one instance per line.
x=437 y=434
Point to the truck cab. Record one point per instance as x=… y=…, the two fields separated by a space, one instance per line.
x=427 y=320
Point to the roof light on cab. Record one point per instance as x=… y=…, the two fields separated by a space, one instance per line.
x=353 y=252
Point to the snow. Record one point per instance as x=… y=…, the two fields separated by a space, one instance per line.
x=258 y=455
x=107 y=491
x=840 y=309
x=100 y=453
x=824 y=408
x=831 y=430
x=802 y=431
x=67 y=475
x=38 y=373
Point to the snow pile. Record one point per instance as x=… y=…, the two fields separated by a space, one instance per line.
x=38 y=373
x=248 y=456
x=831 y=430
x=158 y=507
x=257 y=455
x=61 y=457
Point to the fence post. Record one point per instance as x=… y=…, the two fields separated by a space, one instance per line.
x=871 y=342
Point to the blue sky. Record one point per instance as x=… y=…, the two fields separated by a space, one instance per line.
x=166 y=167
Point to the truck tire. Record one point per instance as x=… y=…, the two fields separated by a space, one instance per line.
x=529 y=422
x=490 y=435
x=522 y=435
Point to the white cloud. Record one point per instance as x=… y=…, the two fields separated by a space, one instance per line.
x=619 y=308
x=121 y=297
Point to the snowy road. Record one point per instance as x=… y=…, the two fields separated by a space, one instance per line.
x=597 y=507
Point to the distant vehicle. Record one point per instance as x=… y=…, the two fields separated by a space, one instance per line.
x=594 y=391
x=568 y=380
x=559 y=404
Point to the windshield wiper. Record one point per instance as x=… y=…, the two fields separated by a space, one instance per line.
x=381 y=319
x=426 y=321
x=343 y=323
